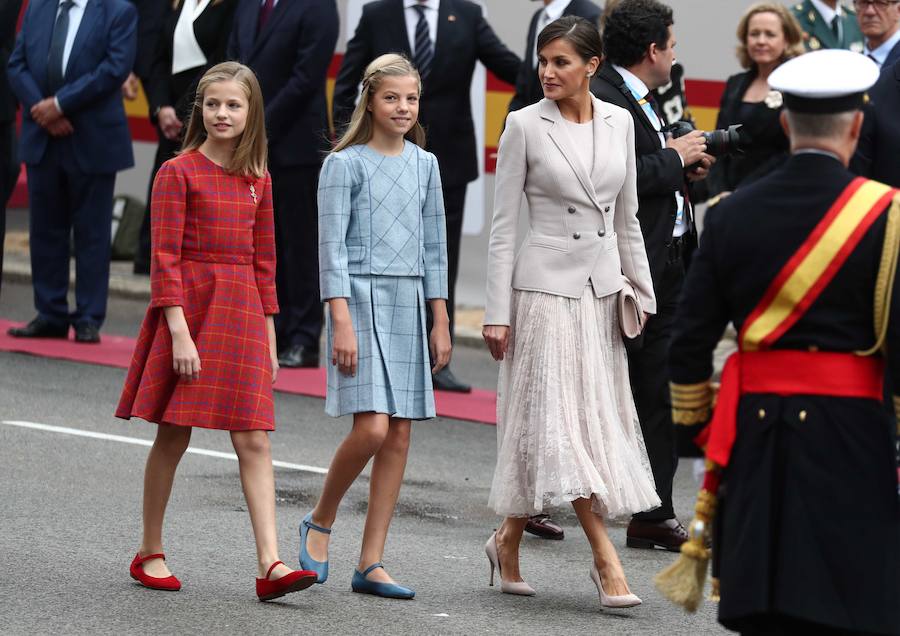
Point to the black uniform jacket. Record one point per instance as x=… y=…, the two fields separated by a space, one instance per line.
x=463 y=38
x=877 y=154
x=659 y=171
x=528 y=86
x=809 y=520
x=290 y=56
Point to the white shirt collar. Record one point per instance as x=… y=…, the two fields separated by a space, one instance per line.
x=635 y=83
x=880 y=54
x=827 y=12
x=555 y=9
x=816 y=151
x=429 y=4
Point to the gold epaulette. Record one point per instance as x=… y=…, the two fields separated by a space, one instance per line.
x=691 y=403
x=887 y=272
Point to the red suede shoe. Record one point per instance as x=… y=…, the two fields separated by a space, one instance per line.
x=297 y=580
x=168 y=583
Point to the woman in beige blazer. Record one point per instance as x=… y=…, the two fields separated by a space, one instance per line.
x=567 y=430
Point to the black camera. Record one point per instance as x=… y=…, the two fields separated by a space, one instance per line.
x=730 y=141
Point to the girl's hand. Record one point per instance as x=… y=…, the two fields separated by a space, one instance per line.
x=275 y=366
x=440 y=346
x=496 y=337
x=185 y=359
x=343 y=350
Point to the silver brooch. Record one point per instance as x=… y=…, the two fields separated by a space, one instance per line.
x=253 y=192
x=774 y=100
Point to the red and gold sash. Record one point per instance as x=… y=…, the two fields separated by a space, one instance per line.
x=809 y=271
x=796 y=287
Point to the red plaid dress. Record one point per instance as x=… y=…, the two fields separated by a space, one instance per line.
x=214 y=254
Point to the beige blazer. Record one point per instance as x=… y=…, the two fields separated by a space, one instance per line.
x=582 y=227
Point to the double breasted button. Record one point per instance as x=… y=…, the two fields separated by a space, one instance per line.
x=601 y=233
x=802 y=416
x=762 y=414
x=577 y=235
x=571 y=209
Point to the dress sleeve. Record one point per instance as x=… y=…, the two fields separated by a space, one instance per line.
x=264 y=250
x=167 y=214
x=334 y=198
x=435 y=234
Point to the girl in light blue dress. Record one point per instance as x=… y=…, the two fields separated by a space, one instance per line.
x=382 y=256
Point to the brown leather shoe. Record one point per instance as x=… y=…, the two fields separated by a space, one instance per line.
x=544 y=527
x=668 y=534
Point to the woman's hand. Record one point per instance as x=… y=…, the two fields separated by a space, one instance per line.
x=343 y=349
x=169 y=123
x=497 y=339
x=273 y=346
x=185 y=359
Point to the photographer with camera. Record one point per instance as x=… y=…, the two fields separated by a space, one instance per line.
x=768 y=35
x=638 y=47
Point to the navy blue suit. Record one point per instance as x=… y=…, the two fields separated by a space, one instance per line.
x=71 y=179
x=290 y=55
x=876 y=154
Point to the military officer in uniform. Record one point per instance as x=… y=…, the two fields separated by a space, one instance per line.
x=802 y=461
x=827 y=24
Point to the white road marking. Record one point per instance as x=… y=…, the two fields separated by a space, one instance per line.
x=146 y=442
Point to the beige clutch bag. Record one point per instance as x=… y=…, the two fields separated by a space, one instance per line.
x=631 y=316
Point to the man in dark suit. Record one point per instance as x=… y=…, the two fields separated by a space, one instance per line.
x=528 y=87
x=67 y=69
x=9 y=165
x=150 y=21
x=879 y=21
x=289 y=44
x=876 y=154
x=638 y=45
x=452 y=35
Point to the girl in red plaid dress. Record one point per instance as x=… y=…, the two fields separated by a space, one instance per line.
x=206 y=352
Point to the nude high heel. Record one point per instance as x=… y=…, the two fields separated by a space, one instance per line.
x=520 y=588
x=623 y=600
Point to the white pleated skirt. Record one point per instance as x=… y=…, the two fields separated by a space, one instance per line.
x=567 y=427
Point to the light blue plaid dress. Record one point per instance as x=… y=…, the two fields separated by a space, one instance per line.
x=382 y=246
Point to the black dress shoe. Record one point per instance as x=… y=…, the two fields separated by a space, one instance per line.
x=444 y=380
x=39 y=328
x=299 y=356
x=668 y=534
x=87 y=333
x=544 y=527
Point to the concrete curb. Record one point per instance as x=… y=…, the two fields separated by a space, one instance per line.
x=124 y=284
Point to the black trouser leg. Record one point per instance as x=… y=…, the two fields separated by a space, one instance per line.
x=9 y=172
x=649 y=371
x=299 y=321
x=454 y=207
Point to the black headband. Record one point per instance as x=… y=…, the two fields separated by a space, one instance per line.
x=824 y=105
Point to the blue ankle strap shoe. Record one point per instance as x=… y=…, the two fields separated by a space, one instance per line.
x=306 y=561
x=362 y=585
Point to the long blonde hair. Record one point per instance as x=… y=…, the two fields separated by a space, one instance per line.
x=359 y=131
x=250 y=152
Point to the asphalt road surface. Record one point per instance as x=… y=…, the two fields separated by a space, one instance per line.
x=70 y=523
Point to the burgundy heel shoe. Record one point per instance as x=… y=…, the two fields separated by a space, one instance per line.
x=297 y=580
x=168 y=583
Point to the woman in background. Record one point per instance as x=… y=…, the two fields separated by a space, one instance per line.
x=768 y=35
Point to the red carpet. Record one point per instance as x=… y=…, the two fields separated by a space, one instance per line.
x=115 y=351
